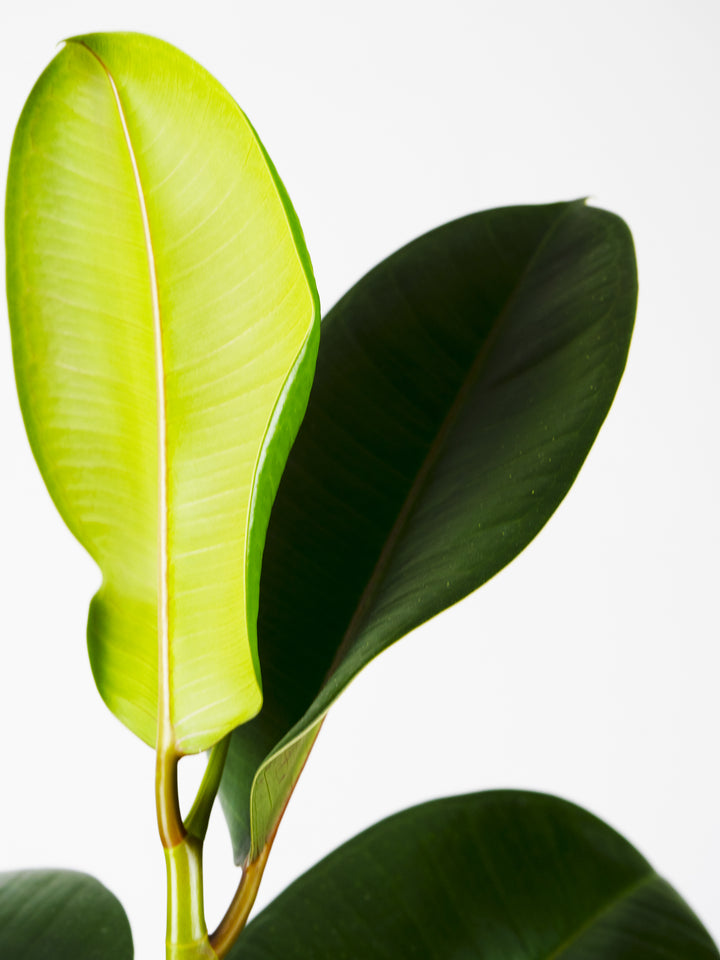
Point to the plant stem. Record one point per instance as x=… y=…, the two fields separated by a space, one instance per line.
x=239 y=910
x=187 y=936
x=197 y=820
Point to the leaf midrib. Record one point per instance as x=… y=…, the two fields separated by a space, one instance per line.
x=165 y=730
x=305 y=723
x=418 y=484
x=607 y=908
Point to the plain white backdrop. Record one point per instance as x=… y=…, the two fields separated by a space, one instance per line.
x=589 y=668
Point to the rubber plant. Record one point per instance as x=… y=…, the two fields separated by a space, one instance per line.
x=165 y=330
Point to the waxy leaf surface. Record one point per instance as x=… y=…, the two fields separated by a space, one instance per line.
x=459 y=387
x=60 y=915
x=164 y=324
x=494 y=876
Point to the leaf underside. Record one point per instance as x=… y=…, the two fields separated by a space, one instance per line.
x=164 y=323
x=496 y=876
x=459 y=387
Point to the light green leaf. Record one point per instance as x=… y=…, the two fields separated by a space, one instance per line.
x=164 y=325
x=459 y=387
x=490 y=876
x=60 y=915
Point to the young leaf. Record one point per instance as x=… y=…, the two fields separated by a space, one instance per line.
x=60 y=915
x=499 y=876
x=460 y=386
x=164 y=326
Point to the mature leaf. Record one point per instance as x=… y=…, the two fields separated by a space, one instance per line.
x=163 y=316
x=459 y=388
x=60 y=915
x=499 y=876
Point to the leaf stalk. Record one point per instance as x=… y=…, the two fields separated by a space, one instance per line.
x=167 y=802
x=196 y=822
x=238 y=912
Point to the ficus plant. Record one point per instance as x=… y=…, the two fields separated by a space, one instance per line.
x=273 y=501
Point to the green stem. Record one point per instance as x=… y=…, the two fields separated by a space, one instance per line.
x=197 y=820
x=187 y=936
x=239 y=910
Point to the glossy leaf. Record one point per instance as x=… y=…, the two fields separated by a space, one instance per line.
x=499 y=876
x=459 y=387
x=60 y=915
x=164 y=324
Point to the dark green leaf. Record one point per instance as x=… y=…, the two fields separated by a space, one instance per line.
x=459 y=387
x=60 y=915
x=495 y=876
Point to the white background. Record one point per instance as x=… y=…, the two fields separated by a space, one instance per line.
x=589 y=668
